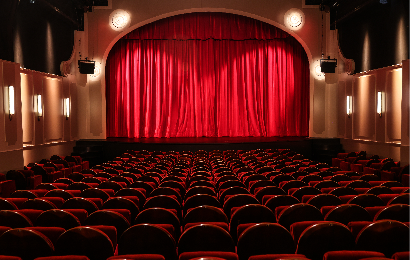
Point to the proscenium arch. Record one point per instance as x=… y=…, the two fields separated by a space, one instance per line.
x=204 y=10
x=133 y=27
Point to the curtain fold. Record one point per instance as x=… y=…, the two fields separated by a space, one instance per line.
x=241 y=83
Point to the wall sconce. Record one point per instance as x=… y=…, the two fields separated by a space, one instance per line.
x=38 y=106
x=11 y=102
x=294 y=19
x=67 y=108
x=119 y=20
x=348 y=106
x=317 y=71
x=379 y=105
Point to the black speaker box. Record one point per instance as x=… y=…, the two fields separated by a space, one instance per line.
x=86 y=66
x=328 y=66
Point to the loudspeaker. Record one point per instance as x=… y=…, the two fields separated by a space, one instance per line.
x=328 y=65
x=86 y=66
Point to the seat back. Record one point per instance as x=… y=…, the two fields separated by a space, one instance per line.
x=323 y=237
x=348 y=212
x=205 y=237
x=87 y=241
x=80 y=203
x=147 y=239
x=399 y=212
x=108 y=218
x=264 y=238
x=252 y=213
x=385 y=236
x=324 y=200
x=24 y=243
x=200 y=200
x=37 y=203
x=57 y=218
x=366 y=200
x=13 y=219
x=237 y=201
x=299 y=212
x=159 y=216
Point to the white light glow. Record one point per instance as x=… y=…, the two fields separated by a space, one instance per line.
x=317 y=71
x=39 y=106
x=349 y=105
x=294 y=19
x=119 y=20
x=67 y=107
x=11 y=101
x=379 y=103
x=366 y=57
x=402 y=48
x=97 y=72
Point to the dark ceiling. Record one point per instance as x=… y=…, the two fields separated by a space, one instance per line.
x=72 y=10
x=340 y=10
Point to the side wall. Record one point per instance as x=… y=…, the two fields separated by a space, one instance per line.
x=43 y=136
x=386 y=135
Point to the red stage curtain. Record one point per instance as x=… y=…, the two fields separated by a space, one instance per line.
x=176 y=78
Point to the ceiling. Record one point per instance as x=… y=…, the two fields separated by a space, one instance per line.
x=72 y=10
x=340 y=10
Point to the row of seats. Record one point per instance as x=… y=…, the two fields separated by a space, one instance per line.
x=47 y=170
x=99 y=241
x=229 y=191
x=386 y=168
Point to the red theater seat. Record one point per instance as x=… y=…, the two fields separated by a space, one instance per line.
x=80 y=203
x=147 y=239
x=137 y=257
x=64 y=257
x=51 y=233
x=357 y=226
x=351 y=255
x=14 y=219
x=299 y=212
x=80 y=214
x=217 y=255
x=401 y=255
x=252 y=213
x=205 y=237
x=87 y=241
x=7 y=205
x=237 y=201
x=39 y=204
x=399 y=212
x=278 y=256
x=264 y=238
x=385 y=236
x=108 y=218
x=57 y=201
x=296 y=229
x=320 y=238
x=57 y=218
x=9 y=257
x=24 y=243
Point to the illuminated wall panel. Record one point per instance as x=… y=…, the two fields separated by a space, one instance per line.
x=364 y=107
x=27 y=106
x=341 y=111
x=393 y=105
x=53 y=110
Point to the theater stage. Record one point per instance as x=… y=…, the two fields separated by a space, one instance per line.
x=98 y=151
